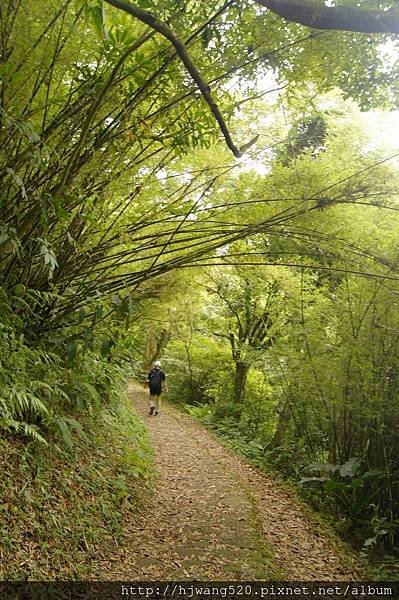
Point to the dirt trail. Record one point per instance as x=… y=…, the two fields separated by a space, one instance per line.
x=213 y=516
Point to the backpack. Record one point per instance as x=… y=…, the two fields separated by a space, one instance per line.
x=155 y=379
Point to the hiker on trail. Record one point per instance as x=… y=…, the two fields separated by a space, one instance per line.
x=156 y=381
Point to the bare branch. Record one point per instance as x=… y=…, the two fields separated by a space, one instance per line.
x=344 y=18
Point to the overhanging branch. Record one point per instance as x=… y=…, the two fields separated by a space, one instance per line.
x=164 y=29
x=345 y=18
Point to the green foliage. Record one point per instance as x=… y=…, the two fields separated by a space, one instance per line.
x=50 y=386
x=195 y=380
x=95 y=112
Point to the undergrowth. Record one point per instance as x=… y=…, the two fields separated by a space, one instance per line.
x=62 y=507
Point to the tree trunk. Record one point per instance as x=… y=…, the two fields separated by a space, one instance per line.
x=240 y=379
x=193 y=388
x=154 y=346
x=282 y=425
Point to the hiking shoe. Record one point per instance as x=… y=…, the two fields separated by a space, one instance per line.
x=155 y=413
x=152 y=411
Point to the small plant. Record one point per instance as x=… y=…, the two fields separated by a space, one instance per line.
x=351 y=494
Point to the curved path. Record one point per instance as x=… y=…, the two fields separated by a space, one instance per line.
x=214 y=517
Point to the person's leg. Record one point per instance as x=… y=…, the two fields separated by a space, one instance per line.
x=158 y=404
x=152 y=403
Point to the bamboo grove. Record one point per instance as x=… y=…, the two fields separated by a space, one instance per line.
x=130 y=139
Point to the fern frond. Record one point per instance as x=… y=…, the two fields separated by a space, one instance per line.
x=21 y=401
x=21 y=427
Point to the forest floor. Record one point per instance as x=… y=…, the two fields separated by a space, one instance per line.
x=213 y=516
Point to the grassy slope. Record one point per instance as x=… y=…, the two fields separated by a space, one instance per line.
x=59 y=509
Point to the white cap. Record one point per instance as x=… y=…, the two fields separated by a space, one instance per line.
x=157 y=363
